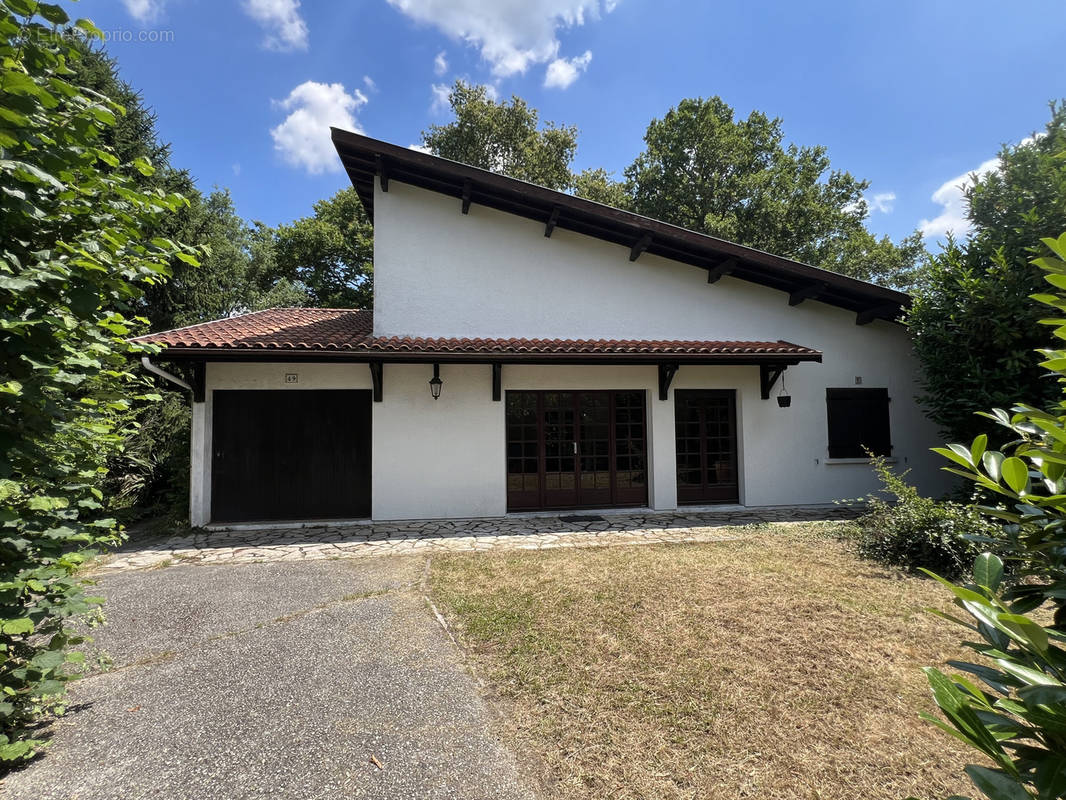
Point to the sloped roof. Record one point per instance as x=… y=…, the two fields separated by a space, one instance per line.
x=348 y=333
x=320 y=329
x=367 y=160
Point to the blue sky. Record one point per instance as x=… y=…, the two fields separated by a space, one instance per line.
x=911 y=94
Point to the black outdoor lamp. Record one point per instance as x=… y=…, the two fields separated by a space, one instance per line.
x=435 y=382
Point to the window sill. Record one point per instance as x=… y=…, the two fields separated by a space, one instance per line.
x=862 y=460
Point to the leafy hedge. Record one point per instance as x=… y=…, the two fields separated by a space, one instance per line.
x=1010 y=703
x=74 y=258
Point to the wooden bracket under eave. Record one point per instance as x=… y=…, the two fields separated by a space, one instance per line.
x=497 y=382
x=383 y=172
x=887 y=311
x=768 y=376
x=720 y=270
x=666 y=377
x=467 y=189
x=198 y=381
x=639 y=246
x=549 y=226
x=377 y=375
x=809 y=292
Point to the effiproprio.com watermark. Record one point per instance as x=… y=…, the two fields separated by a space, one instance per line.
x=128 y=35
x=110 y=36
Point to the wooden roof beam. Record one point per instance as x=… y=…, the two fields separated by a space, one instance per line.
x=808 y=292
x=377 y=379
x=887 y=311
x=383 y=172
x=549 y=226
x=721 y=269
x=666 y=377
x=467 y=189
x=639 y=246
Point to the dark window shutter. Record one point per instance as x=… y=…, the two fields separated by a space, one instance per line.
x=858 y=421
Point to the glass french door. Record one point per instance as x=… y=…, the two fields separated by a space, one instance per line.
x=582 y=449
x=706 y=428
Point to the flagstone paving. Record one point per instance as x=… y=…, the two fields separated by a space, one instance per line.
x=265 y=545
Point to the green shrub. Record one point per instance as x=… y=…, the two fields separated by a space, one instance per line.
x=915 y=532
x=149 y=478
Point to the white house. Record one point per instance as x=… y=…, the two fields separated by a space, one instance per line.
x=584 y=357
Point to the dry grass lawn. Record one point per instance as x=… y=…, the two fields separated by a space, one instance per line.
x=779 y=666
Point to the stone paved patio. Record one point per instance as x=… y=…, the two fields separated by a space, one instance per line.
x=398 y=538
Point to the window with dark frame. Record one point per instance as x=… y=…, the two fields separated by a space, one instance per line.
x=858 y=422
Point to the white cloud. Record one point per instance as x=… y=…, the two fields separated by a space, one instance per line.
x=511 y=35
x=302 y=138
x=144 y=10
x=882 y=202
x=236 y=168
x=420 y=148
x=952 y=196
x=285 y=28
x=562 y=72
x=440 y=64
x=442 y=94
x=369 y=83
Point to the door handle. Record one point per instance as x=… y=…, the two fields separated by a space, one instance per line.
x=575 y=447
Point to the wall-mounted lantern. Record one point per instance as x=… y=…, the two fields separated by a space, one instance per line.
x=435 y=383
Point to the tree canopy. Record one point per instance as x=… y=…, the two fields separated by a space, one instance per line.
x=238 y=271
x=330 y=255
x=737 y=179
x=701 y=169
x=504 y=137
x=974 y=328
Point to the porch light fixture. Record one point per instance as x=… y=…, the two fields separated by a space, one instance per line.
x=435 y=382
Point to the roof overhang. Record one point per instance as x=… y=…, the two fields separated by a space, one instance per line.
x=430 y=357
x=368 y=160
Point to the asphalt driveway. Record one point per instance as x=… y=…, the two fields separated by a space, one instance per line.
x=303 y=680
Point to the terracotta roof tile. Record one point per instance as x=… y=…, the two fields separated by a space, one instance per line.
x=274 y=329
x=348 y=330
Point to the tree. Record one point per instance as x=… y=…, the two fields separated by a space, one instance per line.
x=134 y=133
x=598 y=185
x=77 y=250
x=735 y=179
x=972 y=326
x=1011 y=705
x=239 y=272
x=504 y=137
x=329 y=255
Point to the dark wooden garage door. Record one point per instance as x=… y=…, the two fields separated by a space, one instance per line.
x=290 y=455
